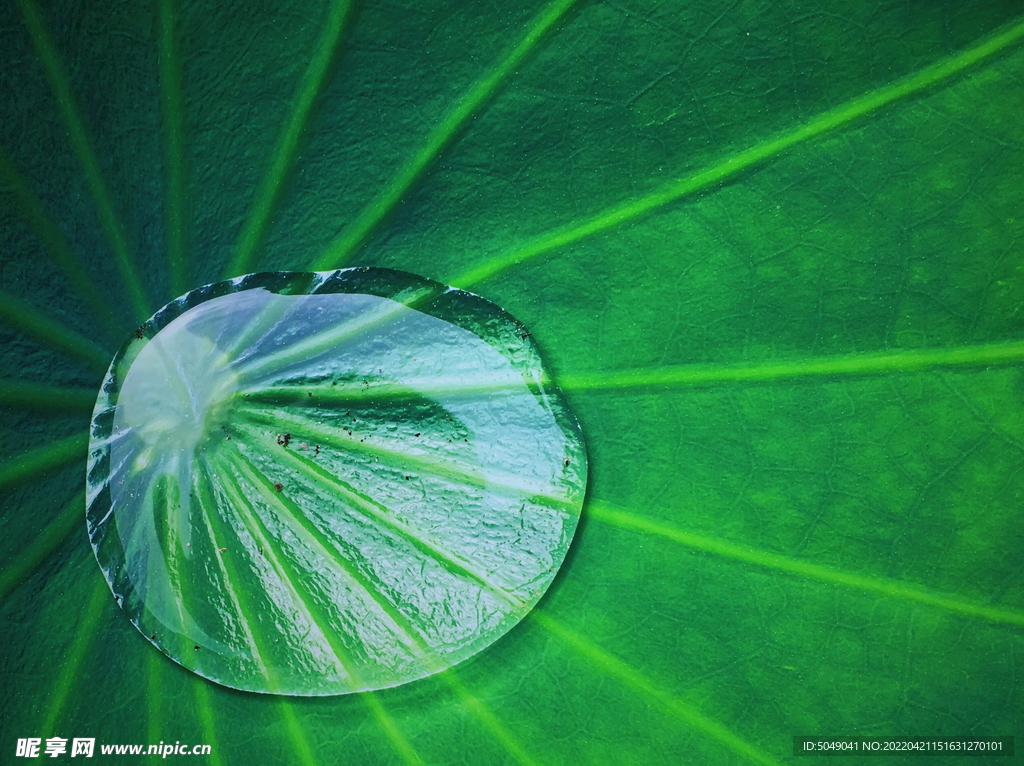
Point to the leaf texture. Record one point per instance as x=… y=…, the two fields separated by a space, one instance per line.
x=768 y=251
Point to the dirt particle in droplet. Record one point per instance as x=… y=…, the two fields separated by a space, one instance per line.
x=223 y=550
x=196 y=647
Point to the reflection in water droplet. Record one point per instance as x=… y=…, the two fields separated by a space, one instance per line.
x=330 y=482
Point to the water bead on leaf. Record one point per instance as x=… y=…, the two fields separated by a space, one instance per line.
x=330 y=482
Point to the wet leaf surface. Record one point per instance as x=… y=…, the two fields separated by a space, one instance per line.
x=768 y=251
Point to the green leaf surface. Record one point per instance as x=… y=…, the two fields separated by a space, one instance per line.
x=769 y=251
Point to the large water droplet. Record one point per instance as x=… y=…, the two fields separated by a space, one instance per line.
x=325 y=483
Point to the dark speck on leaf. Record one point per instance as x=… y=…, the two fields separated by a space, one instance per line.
x=278 y=486
x=196 y=647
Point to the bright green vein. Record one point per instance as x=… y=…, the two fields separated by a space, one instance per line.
x=87 y=624
x=490 y=721
x=66 y=103
x=660 y=697
x=19 y=393
x=50 y=235
x=37 y=463
x=679 y=376
x=153 y=695
x=775 y=562
x=387 y=724
x=883 y=363
x=287 y=149
x=205 y=712
x=25 y=317
x=756 y=155
x=174 y=148
x=18 y=568
x=301 y=750
x=355 y=233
